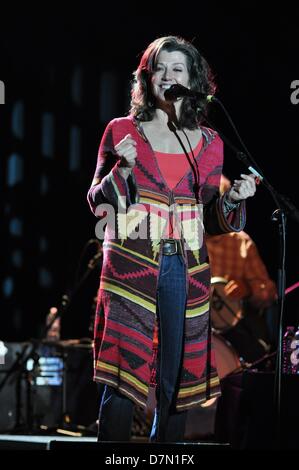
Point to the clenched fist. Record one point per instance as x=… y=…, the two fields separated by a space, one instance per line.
x=126 y=149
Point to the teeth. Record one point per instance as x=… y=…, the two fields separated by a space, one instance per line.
x=165 y=86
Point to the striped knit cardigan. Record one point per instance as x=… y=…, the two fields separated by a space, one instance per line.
x=126 y=308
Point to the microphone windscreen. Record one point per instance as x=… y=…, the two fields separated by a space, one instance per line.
x=174 y=92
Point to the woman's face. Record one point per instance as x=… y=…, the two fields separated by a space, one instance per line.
x=171 y=68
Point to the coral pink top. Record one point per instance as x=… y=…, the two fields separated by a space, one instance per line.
x=173 y=166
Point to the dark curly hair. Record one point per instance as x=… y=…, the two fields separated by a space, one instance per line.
x=201 y=80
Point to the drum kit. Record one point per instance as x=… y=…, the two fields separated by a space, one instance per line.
x=237 y=346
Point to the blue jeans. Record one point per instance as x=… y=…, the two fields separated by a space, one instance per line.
x=116 y=412
x=115 y=417
x=169 y=425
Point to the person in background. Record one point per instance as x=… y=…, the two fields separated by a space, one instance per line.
x=236 y=264
x=157 y=178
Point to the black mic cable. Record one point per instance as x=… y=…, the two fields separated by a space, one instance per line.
x=197 y=182
x=194 y=164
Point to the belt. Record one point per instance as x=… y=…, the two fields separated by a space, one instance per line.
x=171 y=247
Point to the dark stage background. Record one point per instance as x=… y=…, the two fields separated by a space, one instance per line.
x=66 y=75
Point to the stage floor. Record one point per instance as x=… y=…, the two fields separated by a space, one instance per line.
x=23 y=442
x=55 y=442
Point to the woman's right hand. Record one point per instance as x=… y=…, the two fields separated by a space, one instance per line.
x=126 y=149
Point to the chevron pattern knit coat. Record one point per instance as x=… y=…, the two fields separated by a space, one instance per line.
x=126 y=309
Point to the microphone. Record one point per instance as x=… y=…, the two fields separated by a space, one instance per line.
x=177 y=91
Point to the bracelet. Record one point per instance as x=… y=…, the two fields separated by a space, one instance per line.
x=230 y=205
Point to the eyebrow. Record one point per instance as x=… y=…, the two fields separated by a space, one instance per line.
x=173 y=63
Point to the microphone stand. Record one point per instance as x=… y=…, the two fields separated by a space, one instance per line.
x=284 y=208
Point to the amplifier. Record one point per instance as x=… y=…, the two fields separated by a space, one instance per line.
x=45 y=385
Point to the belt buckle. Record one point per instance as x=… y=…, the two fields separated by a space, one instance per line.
x=172 y=242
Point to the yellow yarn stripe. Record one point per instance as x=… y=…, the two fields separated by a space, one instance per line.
x=214 y=382
x=124 y=375
x=128 y=295
x=134 y=253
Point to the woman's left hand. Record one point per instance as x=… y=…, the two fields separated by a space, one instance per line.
x=242 y=189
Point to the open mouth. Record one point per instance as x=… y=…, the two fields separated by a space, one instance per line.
x=166 y=87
